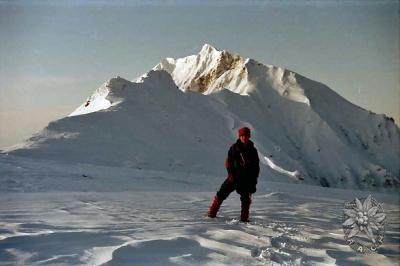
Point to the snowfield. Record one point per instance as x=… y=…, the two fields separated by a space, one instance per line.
x=127 y=177
x=54 y=213
x=184 y=114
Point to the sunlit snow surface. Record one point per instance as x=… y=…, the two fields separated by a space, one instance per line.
x=184 y=114
x=128 y=177
x=80 y=214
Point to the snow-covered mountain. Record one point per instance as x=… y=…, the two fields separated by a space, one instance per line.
x=183 y=115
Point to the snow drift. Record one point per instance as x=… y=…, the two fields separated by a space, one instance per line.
x=183 y=115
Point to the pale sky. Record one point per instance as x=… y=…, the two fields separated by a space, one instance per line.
x=54 y=54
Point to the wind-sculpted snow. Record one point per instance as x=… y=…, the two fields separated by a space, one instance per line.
x=183 y=115
x=82 y=214
x=99 y=100
x=127 y=178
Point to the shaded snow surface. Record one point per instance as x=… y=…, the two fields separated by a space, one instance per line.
x=183 y=115
x=127 y=178
x=54 y=213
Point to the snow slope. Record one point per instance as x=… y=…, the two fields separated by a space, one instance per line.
x=127 y=178
x=183 y=115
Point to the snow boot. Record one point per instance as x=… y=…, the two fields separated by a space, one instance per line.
x=212 y=212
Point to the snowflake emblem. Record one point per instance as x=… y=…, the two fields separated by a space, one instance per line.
x=364 y=218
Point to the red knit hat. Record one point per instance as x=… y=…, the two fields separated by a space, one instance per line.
x=244 y=131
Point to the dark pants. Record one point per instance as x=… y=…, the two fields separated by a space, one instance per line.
x=228 y=187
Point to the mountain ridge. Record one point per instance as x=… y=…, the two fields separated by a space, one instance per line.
x=182 y=115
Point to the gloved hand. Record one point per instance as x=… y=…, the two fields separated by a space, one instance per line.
x=231 y=178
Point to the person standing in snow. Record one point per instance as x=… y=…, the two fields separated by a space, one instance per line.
x=243 y=169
